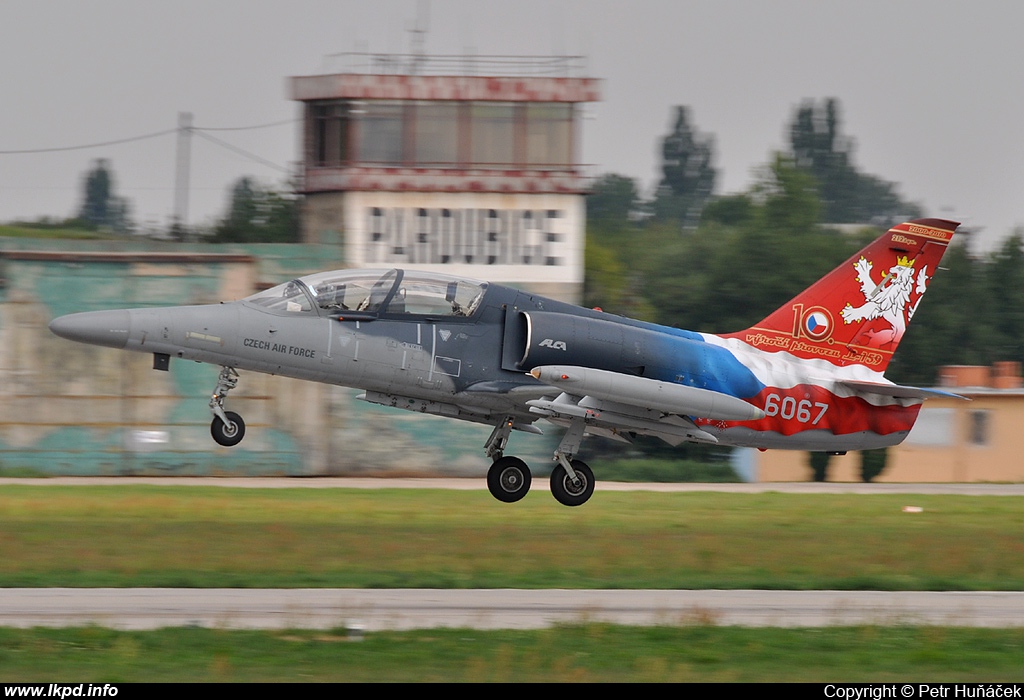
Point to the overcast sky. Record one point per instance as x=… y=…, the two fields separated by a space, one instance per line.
x=931 y=91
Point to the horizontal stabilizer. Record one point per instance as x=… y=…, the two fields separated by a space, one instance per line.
x=898 y=391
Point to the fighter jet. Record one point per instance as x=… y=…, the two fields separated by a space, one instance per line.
x=810 y=376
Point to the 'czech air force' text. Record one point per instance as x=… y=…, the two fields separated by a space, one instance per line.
x=279 y=347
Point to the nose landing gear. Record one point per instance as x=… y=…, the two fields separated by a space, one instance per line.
x=227 y=427
x=509 y=479
x=228 y=431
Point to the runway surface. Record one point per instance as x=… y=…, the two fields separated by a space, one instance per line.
x=372 y=610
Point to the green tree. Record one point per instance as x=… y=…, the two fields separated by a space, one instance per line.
x=848 y=196
x=730 y=210
x=101 y=208
x=953 y=324
x=619 y=246
x=1005 y=291
x=727 y=276
x=258 y=214
x=818 y=462
x=872 y=463
x=613 y=202
x=688 y=176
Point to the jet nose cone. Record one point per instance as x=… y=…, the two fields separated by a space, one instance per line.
x=107 y=328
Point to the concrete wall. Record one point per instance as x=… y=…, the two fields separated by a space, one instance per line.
x=67 y=408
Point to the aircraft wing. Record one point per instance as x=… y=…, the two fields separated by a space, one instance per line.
x=486 y=406
x=898 y=391
x=646 y=393
x=616 y=405
x=619 y=421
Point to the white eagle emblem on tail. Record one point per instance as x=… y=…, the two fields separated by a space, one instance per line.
x=887 y=299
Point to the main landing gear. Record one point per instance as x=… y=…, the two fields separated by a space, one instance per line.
x=509 y=478
x=227 y=427
x=572 y=484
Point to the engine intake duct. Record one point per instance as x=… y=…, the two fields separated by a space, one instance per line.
x=551 y=338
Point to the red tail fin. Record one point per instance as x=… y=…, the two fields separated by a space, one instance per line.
x=857 y=313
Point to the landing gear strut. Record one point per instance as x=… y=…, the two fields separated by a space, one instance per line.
x=227 y=427
x=509 y=478
x=572 y=481
x=572 y=490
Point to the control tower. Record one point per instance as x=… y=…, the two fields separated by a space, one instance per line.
x=470 y=165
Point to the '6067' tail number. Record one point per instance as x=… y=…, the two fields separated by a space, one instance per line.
x=788 y=408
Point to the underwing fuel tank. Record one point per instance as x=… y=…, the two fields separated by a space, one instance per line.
x=649 y=393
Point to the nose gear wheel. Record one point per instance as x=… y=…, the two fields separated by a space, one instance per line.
x=509 y=479
x=230 y=433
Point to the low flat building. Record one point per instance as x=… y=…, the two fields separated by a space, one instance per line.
x=978 y=440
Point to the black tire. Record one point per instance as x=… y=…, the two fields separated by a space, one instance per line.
x=569 y=492
x=509 y=479
x=231 y=434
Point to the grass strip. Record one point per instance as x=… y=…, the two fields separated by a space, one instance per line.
x=393 y=538
x=592 y=652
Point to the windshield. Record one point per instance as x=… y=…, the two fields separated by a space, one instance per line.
x=290 y=297
x=435 y=295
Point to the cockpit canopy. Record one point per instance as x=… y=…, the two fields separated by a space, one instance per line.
x=379 y=292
